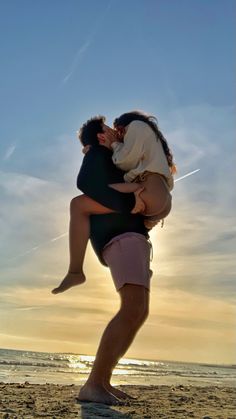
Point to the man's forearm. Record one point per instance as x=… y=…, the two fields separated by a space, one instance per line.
x=98 y=188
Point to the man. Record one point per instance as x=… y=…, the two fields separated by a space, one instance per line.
x=120 y=241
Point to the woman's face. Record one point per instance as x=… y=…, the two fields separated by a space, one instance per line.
x=106 y=129
x=114 y=134
x=120 y=132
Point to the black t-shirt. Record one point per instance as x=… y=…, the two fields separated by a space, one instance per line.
x=97 y=171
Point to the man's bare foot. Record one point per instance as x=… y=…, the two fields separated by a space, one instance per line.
x=117 y=393
x=70 y=280
x=97 y=394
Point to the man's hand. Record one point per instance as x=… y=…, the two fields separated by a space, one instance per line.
x=86 y=149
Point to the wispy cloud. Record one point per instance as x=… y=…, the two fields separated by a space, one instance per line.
x=33 y=249
x=19 y=184
x=32 y=212
x=28 y=308
x=193 y=253
x=9 y=152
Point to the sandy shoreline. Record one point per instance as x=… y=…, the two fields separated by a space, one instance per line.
x=56 y=401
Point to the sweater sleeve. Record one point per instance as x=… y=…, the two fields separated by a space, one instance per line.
x=93 y=179
x=128 y=154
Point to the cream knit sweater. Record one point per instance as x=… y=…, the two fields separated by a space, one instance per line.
x=140 y=152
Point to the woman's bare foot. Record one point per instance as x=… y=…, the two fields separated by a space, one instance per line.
x=139 y=203
x=149 y=224
x=70 y=280
x=97 y=394
x=117 y=393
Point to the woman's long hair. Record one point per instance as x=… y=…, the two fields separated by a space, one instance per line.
x=128 y=117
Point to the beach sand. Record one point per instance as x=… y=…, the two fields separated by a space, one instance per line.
x=59 y=401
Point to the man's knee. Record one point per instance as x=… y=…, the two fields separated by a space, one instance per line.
x=144 y=311
x=76 y=203
x=134 y=304
x=135 y=316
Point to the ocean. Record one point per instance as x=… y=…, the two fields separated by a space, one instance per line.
x=66 y=368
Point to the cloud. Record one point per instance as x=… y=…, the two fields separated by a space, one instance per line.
x=193 y=253
x=192 y=312
x=33 y=249
x=44 y=306
x=202 y=134
x=33 y=211
x=18 y=184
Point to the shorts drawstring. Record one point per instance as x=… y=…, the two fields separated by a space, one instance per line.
x=151 y=252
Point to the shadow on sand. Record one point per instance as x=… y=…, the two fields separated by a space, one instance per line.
x=99 y=410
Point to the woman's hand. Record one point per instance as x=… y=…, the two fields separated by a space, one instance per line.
x=107 y=137
x=110 y=135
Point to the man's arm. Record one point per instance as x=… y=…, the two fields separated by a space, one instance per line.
x=96 y=173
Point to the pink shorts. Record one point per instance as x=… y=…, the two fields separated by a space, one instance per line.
x=128 y=257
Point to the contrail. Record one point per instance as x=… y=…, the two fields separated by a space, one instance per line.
x=9 y=152
x=187 y=174
x=90 y=39
x=33 y=249
x=58 y=237
x=78 y=55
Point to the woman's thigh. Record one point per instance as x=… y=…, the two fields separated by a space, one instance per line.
x=155 y=194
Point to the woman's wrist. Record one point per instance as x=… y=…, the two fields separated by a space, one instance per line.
x=114 y=144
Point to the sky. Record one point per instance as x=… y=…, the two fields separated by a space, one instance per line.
x=63 y=62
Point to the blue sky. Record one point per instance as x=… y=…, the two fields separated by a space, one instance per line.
x=63 y=62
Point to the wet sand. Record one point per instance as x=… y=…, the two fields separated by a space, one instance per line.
x=24 y=401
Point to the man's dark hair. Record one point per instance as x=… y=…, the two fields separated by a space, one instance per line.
x=88 y=132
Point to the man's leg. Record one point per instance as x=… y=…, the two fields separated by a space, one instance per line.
x=81 y=208
x=116 y=339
